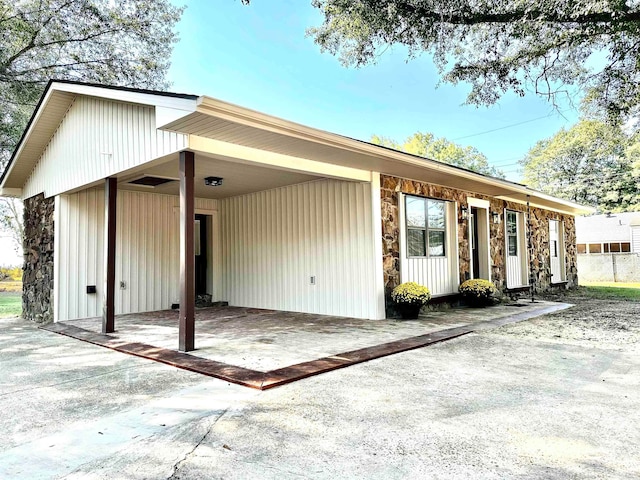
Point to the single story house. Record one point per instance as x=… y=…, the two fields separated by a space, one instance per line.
x=608 y=233
x=136 y=200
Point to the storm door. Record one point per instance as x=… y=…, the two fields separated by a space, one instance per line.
x=516 y=251
x=556 y=249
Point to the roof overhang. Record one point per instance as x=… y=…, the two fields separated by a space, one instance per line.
x=210 y=121
x=226 y=122
x=53 y=106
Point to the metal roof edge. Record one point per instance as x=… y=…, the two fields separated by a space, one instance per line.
x=210 y=105
x=81 y=88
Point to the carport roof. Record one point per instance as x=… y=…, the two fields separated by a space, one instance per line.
x=209 y=118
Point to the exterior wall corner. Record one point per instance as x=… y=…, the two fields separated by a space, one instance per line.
x=38 y=269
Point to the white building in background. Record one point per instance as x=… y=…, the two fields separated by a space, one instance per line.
x=608 y=233
x=608 y=247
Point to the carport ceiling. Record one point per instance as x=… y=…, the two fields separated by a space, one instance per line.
x=239 y=179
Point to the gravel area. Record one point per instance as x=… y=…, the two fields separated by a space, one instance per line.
x=591 y=322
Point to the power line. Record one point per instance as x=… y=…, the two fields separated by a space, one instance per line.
x=506 y=126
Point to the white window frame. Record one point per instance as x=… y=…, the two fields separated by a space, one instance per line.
x=427 y=229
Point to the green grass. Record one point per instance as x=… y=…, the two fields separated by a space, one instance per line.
x=629 y=291
x=10 y=304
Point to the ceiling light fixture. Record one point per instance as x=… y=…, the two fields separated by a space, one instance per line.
x=213 y=181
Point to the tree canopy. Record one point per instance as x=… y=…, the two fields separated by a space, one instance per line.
x=497 y=46
x=440 y=149
x=114 y=42
x=591 y=163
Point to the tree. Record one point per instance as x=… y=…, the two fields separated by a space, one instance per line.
x=11 y=220
x=591 y=163
x=440 y=149
x=498 y=46
x=114 y=42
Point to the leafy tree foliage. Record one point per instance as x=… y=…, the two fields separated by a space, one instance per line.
x=440 y=149
x=591 y=163
x=114 y=42
x=500 y=45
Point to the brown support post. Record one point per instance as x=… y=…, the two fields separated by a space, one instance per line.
x=108 y=309
x=186 y=331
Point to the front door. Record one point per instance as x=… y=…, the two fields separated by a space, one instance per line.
x=200 y=249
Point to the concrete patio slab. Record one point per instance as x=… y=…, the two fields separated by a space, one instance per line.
x=240 y=345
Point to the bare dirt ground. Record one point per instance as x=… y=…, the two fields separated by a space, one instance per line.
x=608 y=323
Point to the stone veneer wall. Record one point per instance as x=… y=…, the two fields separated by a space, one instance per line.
x=391 y=186
x=37 y=279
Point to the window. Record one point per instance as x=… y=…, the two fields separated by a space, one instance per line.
x=617 y=247
x=595 y=248
x=582 y=248
x=553 y=238
x=512 y=233
x=426 y=227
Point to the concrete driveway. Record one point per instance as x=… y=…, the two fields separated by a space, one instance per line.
x=498 y=404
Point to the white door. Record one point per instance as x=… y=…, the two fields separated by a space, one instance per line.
x=555 y=251
x=515 y=249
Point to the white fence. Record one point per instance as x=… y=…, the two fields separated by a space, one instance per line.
x=609 y=267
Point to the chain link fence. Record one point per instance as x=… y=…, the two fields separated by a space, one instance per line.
x=609 y=267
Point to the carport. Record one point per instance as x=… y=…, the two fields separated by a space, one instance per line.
x=263 y=349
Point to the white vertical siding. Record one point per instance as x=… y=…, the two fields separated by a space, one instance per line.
x=274 y=242
x=147 y=249
x=81 y=238
x=635 y=238
x=98 y=138
x=431 y=272
x=439 y=274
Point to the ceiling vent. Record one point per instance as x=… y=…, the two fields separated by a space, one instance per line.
x=149 y=181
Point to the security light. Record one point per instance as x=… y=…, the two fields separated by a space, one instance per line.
x=213 y=181
x=465 y=212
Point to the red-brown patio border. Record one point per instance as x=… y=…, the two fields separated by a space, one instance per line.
x=274 y=378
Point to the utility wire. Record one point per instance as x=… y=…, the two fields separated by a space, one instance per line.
x=505 y=127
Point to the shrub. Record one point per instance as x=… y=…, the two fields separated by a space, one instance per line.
x=411 y=293
x=478 y=292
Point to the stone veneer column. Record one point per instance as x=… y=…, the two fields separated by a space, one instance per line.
x=37 y=278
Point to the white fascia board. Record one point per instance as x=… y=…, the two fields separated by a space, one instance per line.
x=142 y=98
x=574 y=208
x=11 y=192
x=276 y=160
x=25 y=140
x=245 y=116
x=166 y=115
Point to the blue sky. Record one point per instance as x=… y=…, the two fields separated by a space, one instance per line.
x=258 y=56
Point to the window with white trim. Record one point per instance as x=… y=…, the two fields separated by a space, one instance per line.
x=512 y=233
x=426 y=227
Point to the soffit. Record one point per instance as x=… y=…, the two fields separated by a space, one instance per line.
x=54 y=105
x=42 y=129
x=287 y=138
x=239 y=179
